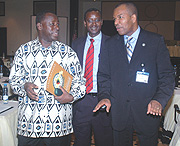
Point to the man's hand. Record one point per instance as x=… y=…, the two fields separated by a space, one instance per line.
x=154 y=108
x=103 y=102
x=29 y=88
x=65 y=97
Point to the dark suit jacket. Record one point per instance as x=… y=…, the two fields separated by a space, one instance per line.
x=83 y=108
x=116 y=79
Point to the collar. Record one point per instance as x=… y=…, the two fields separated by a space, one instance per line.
x=134 y=35
x=96 y=38
x=37 y=45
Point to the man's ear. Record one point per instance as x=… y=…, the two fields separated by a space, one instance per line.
x=134 y=18
x=101 y=22
x=39 y=26
x=85 y=23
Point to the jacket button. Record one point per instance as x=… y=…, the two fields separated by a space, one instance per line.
x=129 y=84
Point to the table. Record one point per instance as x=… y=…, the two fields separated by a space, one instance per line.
x=8 y=123
x=175 y=141
x=169 y=123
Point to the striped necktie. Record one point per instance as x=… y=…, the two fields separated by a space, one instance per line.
x=89 y=67
x=129 y=48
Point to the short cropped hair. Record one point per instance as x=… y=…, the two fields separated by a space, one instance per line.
x=132 y=9
x=90 y=10
x=40 y=16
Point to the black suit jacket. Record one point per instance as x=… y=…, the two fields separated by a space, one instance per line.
x=116 y=79
x=83 y=108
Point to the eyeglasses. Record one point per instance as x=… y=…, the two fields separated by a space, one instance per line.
x=91 y=21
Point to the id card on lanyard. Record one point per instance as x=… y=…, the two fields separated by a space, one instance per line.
x=142 y=76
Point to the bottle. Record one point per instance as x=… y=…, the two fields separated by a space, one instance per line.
x=5 y=94
x=3 y=56
x=1 y=71
x=11 y=62
x=175 y=76
x=175 y=70
x=1 y=92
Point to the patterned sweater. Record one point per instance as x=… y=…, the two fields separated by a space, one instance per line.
x=32 y=63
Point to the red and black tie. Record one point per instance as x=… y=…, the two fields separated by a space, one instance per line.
x=89 y=67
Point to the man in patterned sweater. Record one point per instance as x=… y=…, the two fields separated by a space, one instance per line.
x=45 y=119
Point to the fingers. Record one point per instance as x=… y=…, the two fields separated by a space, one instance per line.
x=29 y=87
x=60 y=87
x=34 y=98
x=154 y=111
x=98 y=106
x=65 y=97
x=102 y=103
x=154 y=108
x=31 y=94
x=107 y=109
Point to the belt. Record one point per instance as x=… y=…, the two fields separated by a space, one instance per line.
x=92 y=94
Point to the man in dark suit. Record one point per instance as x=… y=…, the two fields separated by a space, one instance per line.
x=84 y=120
x=136 y=84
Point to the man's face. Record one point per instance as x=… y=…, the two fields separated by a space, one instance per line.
x=124 y=21
x=93 y=23
x=49 y=30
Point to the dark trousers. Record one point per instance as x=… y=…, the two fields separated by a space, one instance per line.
x=125 y=137
x=85 y=121
x=102 y=134
x=49 y=141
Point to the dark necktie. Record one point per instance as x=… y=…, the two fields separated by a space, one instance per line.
x=129 y=48
x=89 y=67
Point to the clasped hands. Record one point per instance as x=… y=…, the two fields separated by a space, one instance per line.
x=154 y=107
x=29 y=88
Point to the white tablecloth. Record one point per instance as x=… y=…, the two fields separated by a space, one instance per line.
x=175 y=141
x=8 y=123
x=169 y=123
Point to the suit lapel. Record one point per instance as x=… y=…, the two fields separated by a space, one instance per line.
x=138 y=47
x=81 y=50
x=102 y=42
x=104 y=38
x=121 y=48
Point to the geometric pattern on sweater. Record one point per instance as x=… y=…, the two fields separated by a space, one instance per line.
x=32 y=63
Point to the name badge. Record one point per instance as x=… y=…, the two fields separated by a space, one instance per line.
x=142 y=77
